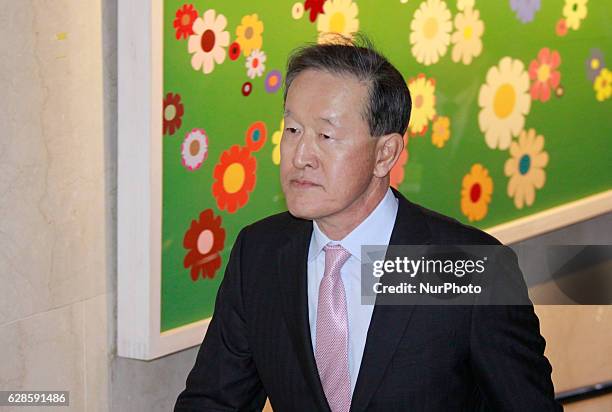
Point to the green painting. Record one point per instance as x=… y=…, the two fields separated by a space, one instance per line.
x=511 y=114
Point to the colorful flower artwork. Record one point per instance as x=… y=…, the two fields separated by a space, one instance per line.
x=172 y=114
x=207 y=44
x=525 y=9
x=504 y=101
x=467 y=42
x=525 y=167
x=249 y=34
x=185 y=17
x=497 y=90
x=423 y=111
x=338 y=17
x=476 y=191
x=234 y=178
x=204 y=241
x=430 y=31
x=440 y=131
x=255 y=63
x=194 y=149
x=544 y=74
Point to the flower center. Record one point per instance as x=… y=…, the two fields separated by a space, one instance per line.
x=233 y=179
x=418 y=101
x=255 y=62
x=543 y=72
x=503 y=103
x=524 y=164
x=248 y=33
x=430 y=28
x=205 y=241
x=475 y=192
x=185 y=20
x=208 y=40
x=467 y=32
x=595 y=64
x=194 y=147
x=337 y=22
x=273 y=80
x=255 y=136
x=169 y=112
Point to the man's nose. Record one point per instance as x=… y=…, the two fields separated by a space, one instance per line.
x=305 y=153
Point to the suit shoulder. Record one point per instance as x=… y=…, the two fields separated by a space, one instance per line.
x=447 y=230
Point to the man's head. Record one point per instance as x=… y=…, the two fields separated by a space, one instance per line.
x=346 y=110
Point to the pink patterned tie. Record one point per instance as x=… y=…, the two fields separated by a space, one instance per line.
x=332 y=332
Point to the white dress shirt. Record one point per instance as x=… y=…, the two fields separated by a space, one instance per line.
x=374 y=230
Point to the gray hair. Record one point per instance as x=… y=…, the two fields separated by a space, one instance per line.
x=388 y=107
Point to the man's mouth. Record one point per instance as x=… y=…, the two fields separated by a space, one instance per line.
x=303 y=183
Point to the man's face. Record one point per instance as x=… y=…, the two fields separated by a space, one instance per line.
x=327 y=153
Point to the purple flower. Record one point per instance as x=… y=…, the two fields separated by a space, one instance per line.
x=594 y=64
x=274 y=81
x=525 y=9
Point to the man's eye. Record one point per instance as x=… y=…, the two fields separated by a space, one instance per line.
x=325 y=136
x=291 y=130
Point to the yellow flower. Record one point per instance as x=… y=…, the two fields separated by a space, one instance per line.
x=505 y=101
x=525 y=167
x=574 y=12
x=276 y=139
x=466 y=40
x=339 y=16
x=440 y=131
x=430 y=31
x=603 y=84
x=248 y=34
x=476 y=191
x=422 y=91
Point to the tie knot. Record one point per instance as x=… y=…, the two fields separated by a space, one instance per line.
x=335 y=257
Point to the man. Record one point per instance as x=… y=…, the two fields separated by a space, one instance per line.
x=288 y=323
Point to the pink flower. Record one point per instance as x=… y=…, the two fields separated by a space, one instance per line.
x=544 y=74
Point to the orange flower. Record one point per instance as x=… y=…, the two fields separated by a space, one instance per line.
x=234 y=178
x=440 y=131
x=204 y=240
x=476 y=192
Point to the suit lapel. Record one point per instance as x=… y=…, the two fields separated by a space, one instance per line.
x=388 y=322
x=293 y=261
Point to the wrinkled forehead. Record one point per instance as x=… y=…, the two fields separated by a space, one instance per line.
x=321 y=94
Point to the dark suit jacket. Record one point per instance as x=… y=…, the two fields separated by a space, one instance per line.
x=416 y=358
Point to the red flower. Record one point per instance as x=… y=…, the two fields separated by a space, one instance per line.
x=247 y=88
x=561 y=27
x=172 y=114
x=234 y=50
x=185 y=16
x=315 y=6
x=544 y=74
x=204 y=240
x=234 y=178
x=256 y=136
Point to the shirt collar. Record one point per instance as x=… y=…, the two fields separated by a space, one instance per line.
x=373 y=230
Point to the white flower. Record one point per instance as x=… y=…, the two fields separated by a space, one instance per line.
x=194 y=149
x=505 y=101
x=255 y=63
x=430 y=28
x=466 y=40
x=209 y=41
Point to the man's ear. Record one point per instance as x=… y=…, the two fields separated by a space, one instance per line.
x=388 y=150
